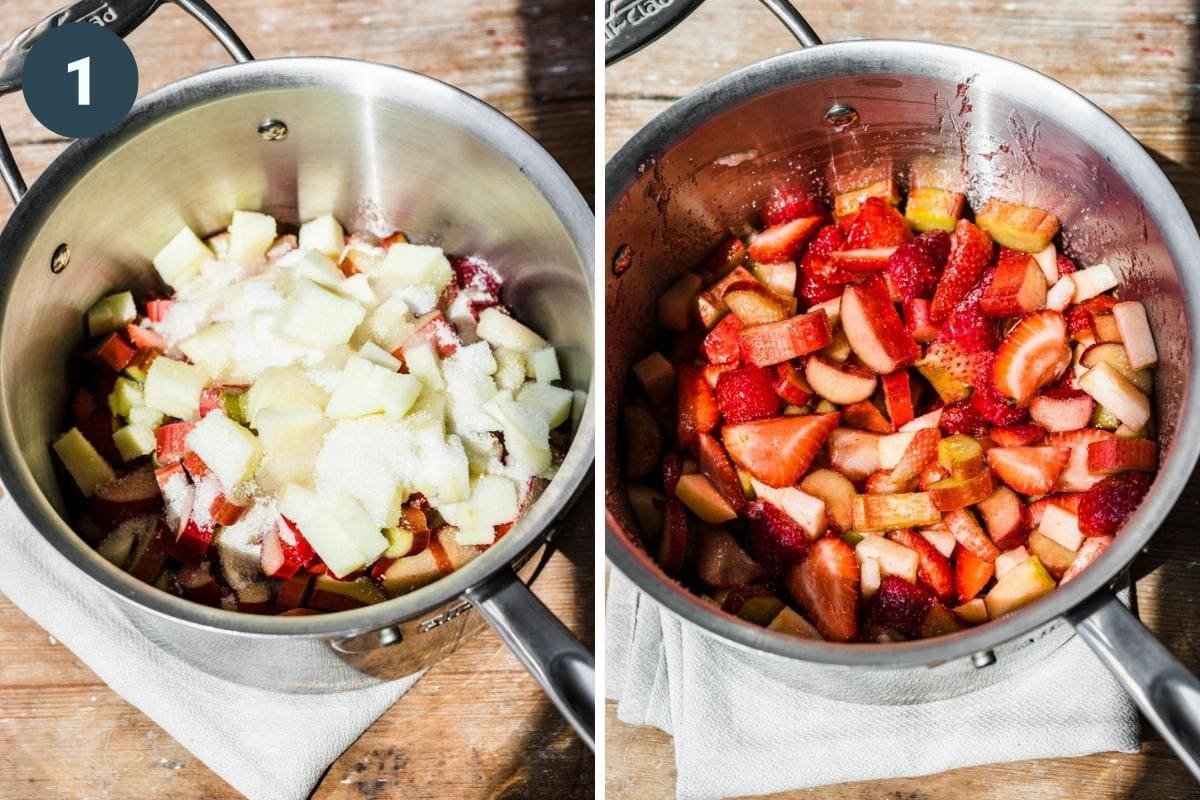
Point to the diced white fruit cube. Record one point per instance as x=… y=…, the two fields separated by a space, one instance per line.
x=291 y=439
x=408 y=265
x=1092 y=282
x=551 y=402
x=342 y=534
x=323 y=235
x=423 y=362
x=134 y=441
x=894 y=558
x=500 y=330
x=86 y=465
x=832 y=308
x=1136 y=335
x=210 y=348
x=250 y=236
x=282 y=387
x=807 y=511
x=174 y=387
x=870 y=576
x=1009 y=559
x=146 y=417
x=493 y=501
x=358 y=288
x=124 y=396
x=230 y=450
x=111 y=313
x=1060 y=294
x=1047 y=259
x=1062 y=526
x=940 y=538
x=510 y=368
x=319 y=268
x=930 y=420
x=317 y=316
x=447 y=474
x=377 y=355
x=767 y=493
x=1110 y=389
x=544 y=365
x=181 y=258
x=526 y=434
x=475 y=538
x=296 y=502
x=892 y=447
x=389 y=325
x=367 y=388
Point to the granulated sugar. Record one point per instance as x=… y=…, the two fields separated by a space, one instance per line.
x=178 y=498
x=207 y=490
x=239 y=546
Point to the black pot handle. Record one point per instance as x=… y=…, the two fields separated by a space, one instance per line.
x=122 y=17
x=1161 y=686
x=630 y=25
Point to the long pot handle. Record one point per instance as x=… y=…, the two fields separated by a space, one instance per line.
x=1161 y=686
x=122 y=17
x=551 y=653
x=630 y=25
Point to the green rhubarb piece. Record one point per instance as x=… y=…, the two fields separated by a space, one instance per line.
x=1021 y=585
x=126 y=394
x=399 y=542
x=1103 y=418
x=932 y=209
x=760 y=610
x=111 y=313
x=134 y=441
x=86 y=466
x=852 y=538
x=235 y=407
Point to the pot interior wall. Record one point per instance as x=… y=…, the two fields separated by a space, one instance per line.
x=378 y=163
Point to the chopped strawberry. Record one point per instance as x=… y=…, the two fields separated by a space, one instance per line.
x=698 y=411
x=1033 y=354
x=791 y=385
x=991 y=405
x=917 y=265
x=716 y=466
x=961 y=417
x=746 y=393
x=785 y=205
x=967 y=325
x=778 y=450
x=865 y=416
x=877 y=224
x=782 y=242
x=776 y=342
x=721 y=343
x=917 y=322
x=933 y=568
x=713 y=373
x=971 y=574
x=920 y=452
x=1029 y=470
x=1081 y=318
x=156 y=310
x=1065 y=265
x=899 y=604
x=1104 y=508
x=774 y=538
x=1018 y=435
x=970 y=253
x=825 y=585
x=956 y=361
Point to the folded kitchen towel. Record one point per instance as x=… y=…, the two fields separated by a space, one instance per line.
x=267 y=745
x=744 y=724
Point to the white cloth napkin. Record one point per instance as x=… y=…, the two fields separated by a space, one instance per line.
x=744 y=725
x=267 y=745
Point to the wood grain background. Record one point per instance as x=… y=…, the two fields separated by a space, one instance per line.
x=1137 y=60
x=476 y=726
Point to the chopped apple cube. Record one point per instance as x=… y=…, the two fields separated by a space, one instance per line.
x=323 y=235
x=805 y=509
x=657 y=377
x=493 y=501
x=124 y=396
x=1112 y=391
x=511 y=368
x=788 y=621
x=181 y=258
x=296 y=502
x=526 y=433
x=698 y=494
x=475 y=538
x=342 y=534
x=870 y=575
x=407 y=265
x=174 y=388
x=500 y=330
x=973 y=613
x=86 y=465
x=316 y=316
x=230 y=450
x=134 y=441
x=894 y=558
x=941 y=538
x=377 y=355
x=210 y=348
x=282 y=387
x=111 y=313
x=1060 y=294
x=1023 y=584
x=892 y=447
x=1136 y=334
x=1061 y=526
x=448 y=479
x=552 y=402
x=291 y=439
x=1009 y=559
x=1092 y=282
x=1047 y=259
x=358 y=288
x=390 y=325
x=146 y=417
x=423 y=362
x=544 y=365
x=251 y=235
x=319 y=268
x=367 y=388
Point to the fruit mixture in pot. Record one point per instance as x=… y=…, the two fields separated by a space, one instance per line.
x=308 y=422
x=876 y=425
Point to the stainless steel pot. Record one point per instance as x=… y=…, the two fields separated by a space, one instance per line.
x=380 y=148
x=811 y=116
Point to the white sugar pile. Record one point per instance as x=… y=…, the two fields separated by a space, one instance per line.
x=469 y=386
x=239 y=545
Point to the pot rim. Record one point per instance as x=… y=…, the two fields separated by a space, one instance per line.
x=371 y=81
x=1055 y=100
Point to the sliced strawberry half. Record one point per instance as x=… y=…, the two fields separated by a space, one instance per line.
x=716 y=466
x=1034 y=354
x=991 y=405
x=933 y=568
x=1018 y=435
x=961 y=417
x=922 y=450
x=877 y=224
x=775 y=540
x=1104 y=508
x=783 y=242
x=917 y=265
x=721 y=343
x=1031 y=471
x=874 y=329
x=785 y=205
x=899 y=605
x=698 y=411
x=791 y=385
x=826 y=585
x=778 y=450
x=970 y=253
x=746 y=393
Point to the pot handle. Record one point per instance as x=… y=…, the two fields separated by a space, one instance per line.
x=551 y=653
x=1161 y=686
x=122 y=17
x=630 y=25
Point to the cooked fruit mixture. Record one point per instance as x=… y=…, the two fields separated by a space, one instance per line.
x=876 y=425
x=311 y=422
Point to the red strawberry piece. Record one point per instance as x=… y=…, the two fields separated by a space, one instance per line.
x=778 y=450
x=774 y=538
x=970 y=253
x=1033 y=354
x=961 y=417
x=865 y=416
x=746 y=393
x=1029 y=470
x=899 y=604
x=991 y=405
x=916 y=266
x=144 y=338
x=791 y=385
x=721 y=343
x=716 y=466
x=877 y=224
x=933 y=568
x=775 y=342
x=785 y=205
x=967 y=325
x=95 y=422
x=920 y=452
x=713 y=373
x=697 y=405
x=897 y=397
x=1018 y=435
x=971 y=574
x=782 y=242
x=819 y=280
x=672 y=468
x=1104 y=508
x=917 y=321
x=931 y=475
x=815 y=290
x=474 y=274
x=825 y=585
x=1065 y=265
x=156 y=310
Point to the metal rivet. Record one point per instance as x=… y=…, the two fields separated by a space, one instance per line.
x=841 y=116
x=984 y=658
x=273 y=130
x=60 y=259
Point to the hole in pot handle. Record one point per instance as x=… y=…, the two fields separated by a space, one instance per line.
x=121 y=17
x=630 y=25
x=1161 y=686
x=551 y=653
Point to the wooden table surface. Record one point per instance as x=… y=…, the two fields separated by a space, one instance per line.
x=1136 y=60
x=476 y=726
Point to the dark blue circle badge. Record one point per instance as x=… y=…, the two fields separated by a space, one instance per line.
x=80 y=80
